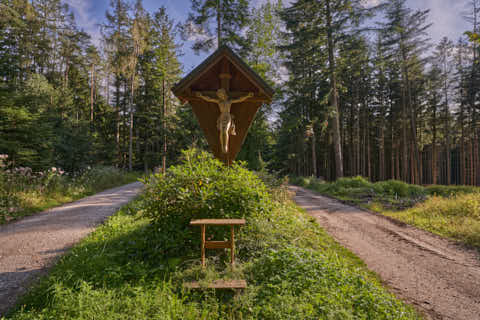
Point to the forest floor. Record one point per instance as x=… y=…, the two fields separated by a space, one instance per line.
x=438 y=276
x=30 y=246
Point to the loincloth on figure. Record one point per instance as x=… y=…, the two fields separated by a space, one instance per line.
x=225 y=123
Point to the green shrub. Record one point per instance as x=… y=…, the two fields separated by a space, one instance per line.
x=355 y=182
x=199 y=188
x=398 y=188
x=345 y=186
x=448 y=191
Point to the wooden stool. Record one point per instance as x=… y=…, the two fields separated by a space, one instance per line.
x=218 y=244
x=218 y=284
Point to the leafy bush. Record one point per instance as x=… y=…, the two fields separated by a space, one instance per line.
x=355 y=182
x=201 y=187
x=448 y=191
x=398 y=188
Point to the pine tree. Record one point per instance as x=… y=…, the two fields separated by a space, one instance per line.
x=116 y=33
x=212 y=23
x=404 y=38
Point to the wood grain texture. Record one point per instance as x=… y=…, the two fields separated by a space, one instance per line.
x=217 y=284
x=218 y=222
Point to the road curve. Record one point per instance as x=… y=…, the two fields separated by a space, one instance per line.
x=28 y=247
x=439 y=277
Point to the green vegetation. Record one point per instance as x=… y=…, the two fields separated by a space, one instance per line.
x=450 y=211
x=133 y=267
x=456 y=217
x=23 y=192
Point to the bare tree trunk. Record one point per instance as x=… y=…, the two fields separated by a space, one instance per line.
x=381 y=150
x=472 y=165
x=447 y=136
x=219 y=23
x=164 y=157
x=462 y=146
x=91 y=93
x=476 y=158
x=117 y=115
x=434 y=146
x=397 y=164
x=404 y=138
x=334 y=96
x=314 y=153
x=352 y=143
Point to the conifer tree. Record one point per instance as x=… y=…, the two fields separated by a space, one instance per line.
x=212 y=23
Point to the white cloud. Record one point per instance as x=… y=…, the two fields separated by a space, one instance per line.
x=371 y=3
x=446 y=16
x=85 y=18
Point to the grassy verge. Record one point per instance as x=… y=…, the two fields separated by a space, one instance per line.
x=131 y=268
x=449 y=211
x=25 y=194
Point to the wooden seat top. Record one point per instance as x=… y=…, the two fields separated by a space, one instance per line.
x=230 y=222
x=218 y=284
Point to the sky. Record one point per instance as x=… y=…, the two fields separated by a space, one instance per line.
x=446 y=16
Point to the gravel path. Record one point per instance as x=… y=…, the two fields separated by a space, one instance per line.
x=28 y=247
x=439 y=277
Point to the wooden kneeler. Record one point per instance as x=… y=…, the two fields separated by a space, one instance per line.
x=218 y=284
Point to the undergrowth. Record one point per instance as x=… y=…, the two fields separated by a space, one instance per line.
x=23 y=192
x=450 y=211
x=133 y=267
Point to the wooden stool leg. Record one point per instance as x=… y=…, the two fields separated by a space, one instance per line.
x=232 y=245
x=203 y=244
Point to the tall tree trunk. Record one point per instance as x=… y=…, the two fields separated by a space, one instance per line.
x=91 y=93
x=381 y=147
x=314 y=153
x=462 y=143
x=447 y=135
x=164 y=157
x=352 y=143
x=117 y=116
x=404 y=139
x=472 y=164
x=334 y=96
x=130 y=140
x=219 y=23
x=434 y=146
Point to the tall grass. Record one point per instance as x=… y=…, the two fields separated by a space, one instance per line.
x=456 y=217
x=127 y=269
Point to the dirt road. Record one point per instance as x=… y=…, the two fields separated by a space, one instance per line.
x=28 y=247
x=439 y=277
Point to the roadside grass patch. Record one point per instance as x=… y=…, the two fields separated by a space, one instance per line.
x=456 y=217
x=449 y=211
x=130 y=269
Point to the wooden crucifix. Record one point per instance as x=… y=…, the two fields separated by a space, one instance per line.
x=224 y=100
x=225 y=95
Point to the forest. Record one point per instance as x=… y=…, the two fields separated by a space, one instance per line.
x=360 y=88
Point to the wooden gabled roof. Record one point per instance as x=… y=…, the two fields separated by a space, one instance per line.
x=213 y=59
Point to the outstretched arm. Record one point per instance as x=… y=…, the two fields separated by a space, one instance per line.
x=206 y=98
x=241 y=99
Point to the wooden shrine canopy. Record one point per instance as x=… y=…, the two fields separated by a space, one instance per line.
x=224 y=69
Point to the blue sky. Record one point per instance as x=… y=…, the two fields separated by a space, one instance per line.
x=446 y=16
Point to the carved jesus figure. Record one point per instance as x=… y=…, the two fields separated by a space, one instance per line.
x=225 y=123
